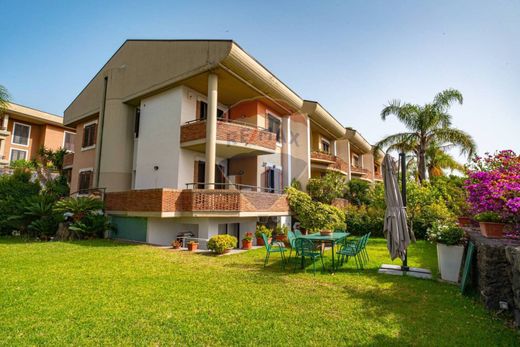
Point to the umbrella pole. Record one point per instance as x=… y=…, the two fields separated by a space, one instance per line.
x=402 y=157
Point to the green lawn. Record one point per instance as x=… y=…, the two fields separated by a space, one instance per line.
x=108 y=293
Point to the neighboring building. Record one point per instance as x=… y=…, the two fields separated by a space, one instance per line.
x=24 y=130
x=197 y=136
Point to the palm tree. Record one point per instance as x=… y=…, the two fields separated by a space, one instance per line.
x=4 y=98
x=427 y=125
x=437 y=159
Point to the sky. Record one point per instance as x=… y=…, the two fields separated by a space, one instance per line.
x=351 y=56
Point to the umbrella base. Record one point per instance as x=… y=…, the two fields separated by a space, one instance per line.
x=397 y=270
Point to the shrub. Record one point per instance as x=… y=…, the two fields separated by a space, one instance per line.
x=262 y=229
x=79 y=207
x=248 y=237
x=327 y=188
x=358 y=192
x=91 y=226
x=445 y=232
x=315 y=216
x=488 y=216
x=220 y=243
x=281 y=230
x=363 y=219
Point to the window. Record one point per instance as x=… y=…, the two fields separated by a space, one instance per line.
x=21 y=134
x=89 y=135
x=274 y=126
x=18 y=154
x=85 y=181
x=137 y=122
x=356 y=160
x=325 y=146
x=273 y=179
x=68 y=141
x=203 y=111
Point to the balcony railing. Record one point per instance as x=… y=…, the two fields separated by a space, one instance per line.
x=333 y=162
x=196 y=200
x=378 y=176
x=231 y=132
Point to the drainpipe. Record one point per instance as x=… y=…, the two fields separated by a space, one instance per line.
x=99 y=140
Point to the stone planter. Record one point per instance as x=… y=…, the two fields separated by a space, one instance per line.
x=492 y=230
x=449 y=259
x=464 y=221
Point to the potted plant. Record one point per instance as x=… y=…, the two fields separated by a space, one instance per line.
x=281 y=232
x=193 y=246
x=221 y=244
x=262 y=229
x=491 y=225
x=462 y=211
x=449 y=238
x=176 y=244
x=247 y=241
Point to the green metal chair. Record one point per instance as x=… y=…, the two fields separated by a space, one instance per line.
x=291 y=237
x=353 y=249
x=364 y=251
x=297 y=233
x=306 y=248
x=274 y=247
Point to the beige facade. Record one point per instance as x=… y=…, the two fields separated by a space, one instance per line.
x=24 y=130
x=204 y=117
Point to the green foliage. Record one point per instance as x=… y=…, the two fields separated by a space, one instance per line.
x=445 y=232
x=262 y=229
x=451 y=190
x=281 y=230
x=489 y=216
x=14 y=190
x=327 y=188
x=358 y=192
x=220 y=243
x=296 y=184
x=363 y=219
x=315 y=216
x=91 y=226
x=4 y=98
x=79 y=207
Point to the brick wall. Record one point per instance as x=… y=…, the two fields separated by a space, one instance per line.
x=230 y=132
x=192 y=200
x=338 y=163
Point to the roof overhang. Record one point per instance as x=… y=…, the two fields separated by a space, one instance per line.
x=33 y=115
x=323 y=118
x=357 y=140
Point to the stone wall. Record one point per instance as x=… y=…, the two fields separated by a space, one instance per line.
x=497 y=271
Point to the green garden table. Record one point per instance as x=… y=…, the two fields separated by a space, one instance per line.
x=332 y=239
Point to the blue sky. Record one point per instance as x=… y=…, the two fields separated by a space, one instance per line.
x=351 y=56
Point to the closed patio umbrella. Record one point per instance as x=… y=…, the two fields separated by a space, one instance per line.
x=396 y=230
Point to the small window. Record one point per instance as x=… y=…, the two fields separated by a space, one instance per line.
x=21 y=134
x=85 y=181
x=325 y=146
x=274 y=126
x=203 y=111
x=68 y=141
x=89 y=135
x=137 y=122
x=356 y=161
x=17 y=154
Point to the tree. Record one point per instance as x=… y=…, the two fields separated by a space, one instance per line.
x=4 y=98
x=327 y=188
x=427 y=125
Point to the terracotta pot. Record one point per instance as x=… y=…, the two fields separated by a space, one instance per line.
x=280 y=237
x=193 y=247
x=326 y=232
x=260 y=241
x=492 y=230
x=247 y=244
x=464 y=221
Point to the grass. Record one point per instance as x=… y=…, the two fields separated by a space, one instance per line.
x=106 y=293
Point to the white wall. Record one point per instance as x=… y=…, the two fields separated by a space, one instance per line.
x=158 y=143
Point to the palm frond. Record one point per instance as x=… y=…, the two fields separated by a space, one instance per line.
x=446 y=98
x=401 y=141
x=4 y=98
x=406 y=113
x=456 y=137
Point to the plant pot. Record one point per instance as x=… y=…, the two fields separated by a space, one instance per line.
x=260 y=241
x=449 y=259
x=193 y=247
x=492 y=230
x=464 y=221
x=247 y=244
x=326 y=232
x=279 y=237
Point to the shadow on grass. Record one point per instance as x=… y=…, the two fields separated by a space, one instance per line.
x=16 y=240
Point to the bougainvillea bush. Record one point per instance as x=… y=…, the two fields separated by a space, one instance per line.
x=493 y=185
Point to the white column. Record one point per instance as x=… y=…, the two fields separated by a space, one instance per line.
x=211 y=131
x=5 y=121
x=2 y=148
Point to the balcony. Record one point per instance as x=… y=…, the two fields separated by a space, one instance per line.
x=361 y=173
x=378 y=177
x=327 y=161
x=233 y=138
x=196 y=203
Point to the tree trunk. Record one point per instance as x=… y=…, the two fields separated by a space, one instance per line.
x=421 y=162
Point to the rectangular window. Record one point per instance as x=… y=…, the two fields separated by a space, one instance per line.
x=273 y=179
x=356 y=160
x=325 y=146
x=17 y=154
x=89 y=135
x=68 y=141
x=21 y=134
x=203 y=111
x=85 y=181
x=274 y=126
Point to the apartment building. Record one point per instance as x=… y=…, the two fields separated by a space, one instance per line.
x=23 y=130
x=196 y=136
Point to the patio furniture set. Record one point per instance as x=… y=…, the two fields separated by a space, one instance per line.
x=311 y=246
